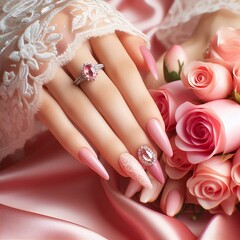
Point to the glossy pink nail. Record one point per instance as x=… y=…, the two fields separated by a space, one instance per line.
x=133 y=169
x=159 y=136
x=156 y=172
x=150 y=195
x=149 y=159
x=87 y=157
x=150 y=61
x=132 y=188
x=173 y=203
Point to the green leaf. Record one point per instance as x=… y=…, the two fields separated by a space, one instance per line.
x=173 y=75
x=236 y=96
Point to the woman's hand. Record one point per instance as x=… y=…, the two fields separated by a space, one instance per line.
x=114 y=115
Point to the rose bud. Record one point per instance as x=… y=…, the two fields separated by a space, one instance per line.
x=173 y=62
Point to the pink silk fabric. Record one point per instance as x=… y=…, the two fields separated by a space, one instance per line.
x=49 y=195
x=146 y=15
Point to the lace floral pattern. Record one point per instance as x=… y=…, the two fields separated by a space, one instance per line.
x=177 y=27
x=32 y=45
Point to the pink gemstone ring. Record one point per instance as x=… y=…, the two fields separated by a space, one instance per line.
x=89 y=72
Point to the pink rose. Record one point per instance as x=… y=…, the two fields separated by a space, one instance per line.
x=208 y=129
x=235 y=174
x=236 y=82
x=227 y=206
x=225 y=45
x=176 y=166
x=173 y=61
x=168 y=97
x=209 y=81
x=210 y=182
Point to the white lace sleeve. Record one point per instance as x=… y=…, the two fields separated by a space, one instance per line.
x=184 y=15
x=32 y=44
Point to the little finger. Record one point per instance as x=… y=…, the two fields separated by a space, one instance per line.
x=71 y=139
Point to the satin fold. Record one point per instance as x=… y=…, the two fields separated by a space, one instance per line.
x=51 y=183
x=19 y=224
x=222 y=227
x=50 y=195
x=145 y=222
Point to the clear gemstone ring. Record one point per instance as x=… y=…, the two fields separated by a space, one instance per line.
x=89 y=72
x=146 y=155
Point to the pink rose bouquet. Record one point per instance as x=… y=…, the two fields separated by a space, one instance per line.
x=201 y=111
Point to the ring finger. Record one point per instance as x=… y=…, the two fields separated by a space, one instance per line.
x=110 y=103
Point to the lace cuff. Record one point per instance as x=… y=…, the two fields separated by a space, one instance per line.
x=177 y=27
x=36 y=36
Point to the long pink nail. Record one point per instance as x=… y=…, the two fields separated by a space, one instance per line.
x=149 y=159
x=159 y=136
x=133 y=169
x=173 y=203
x=132 y=188
x=150 y=61
x=156 y=172
x=87 y=157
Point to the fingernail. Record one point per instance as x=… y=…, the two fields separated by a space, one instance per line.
x=87 y=157
x=133 y=169
x=146 y=195
x=156 y=172
x=150 y=195
x=132 y=188
x=150 y=61
x=159 y=136
x=173 y=203
x=149 y=159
